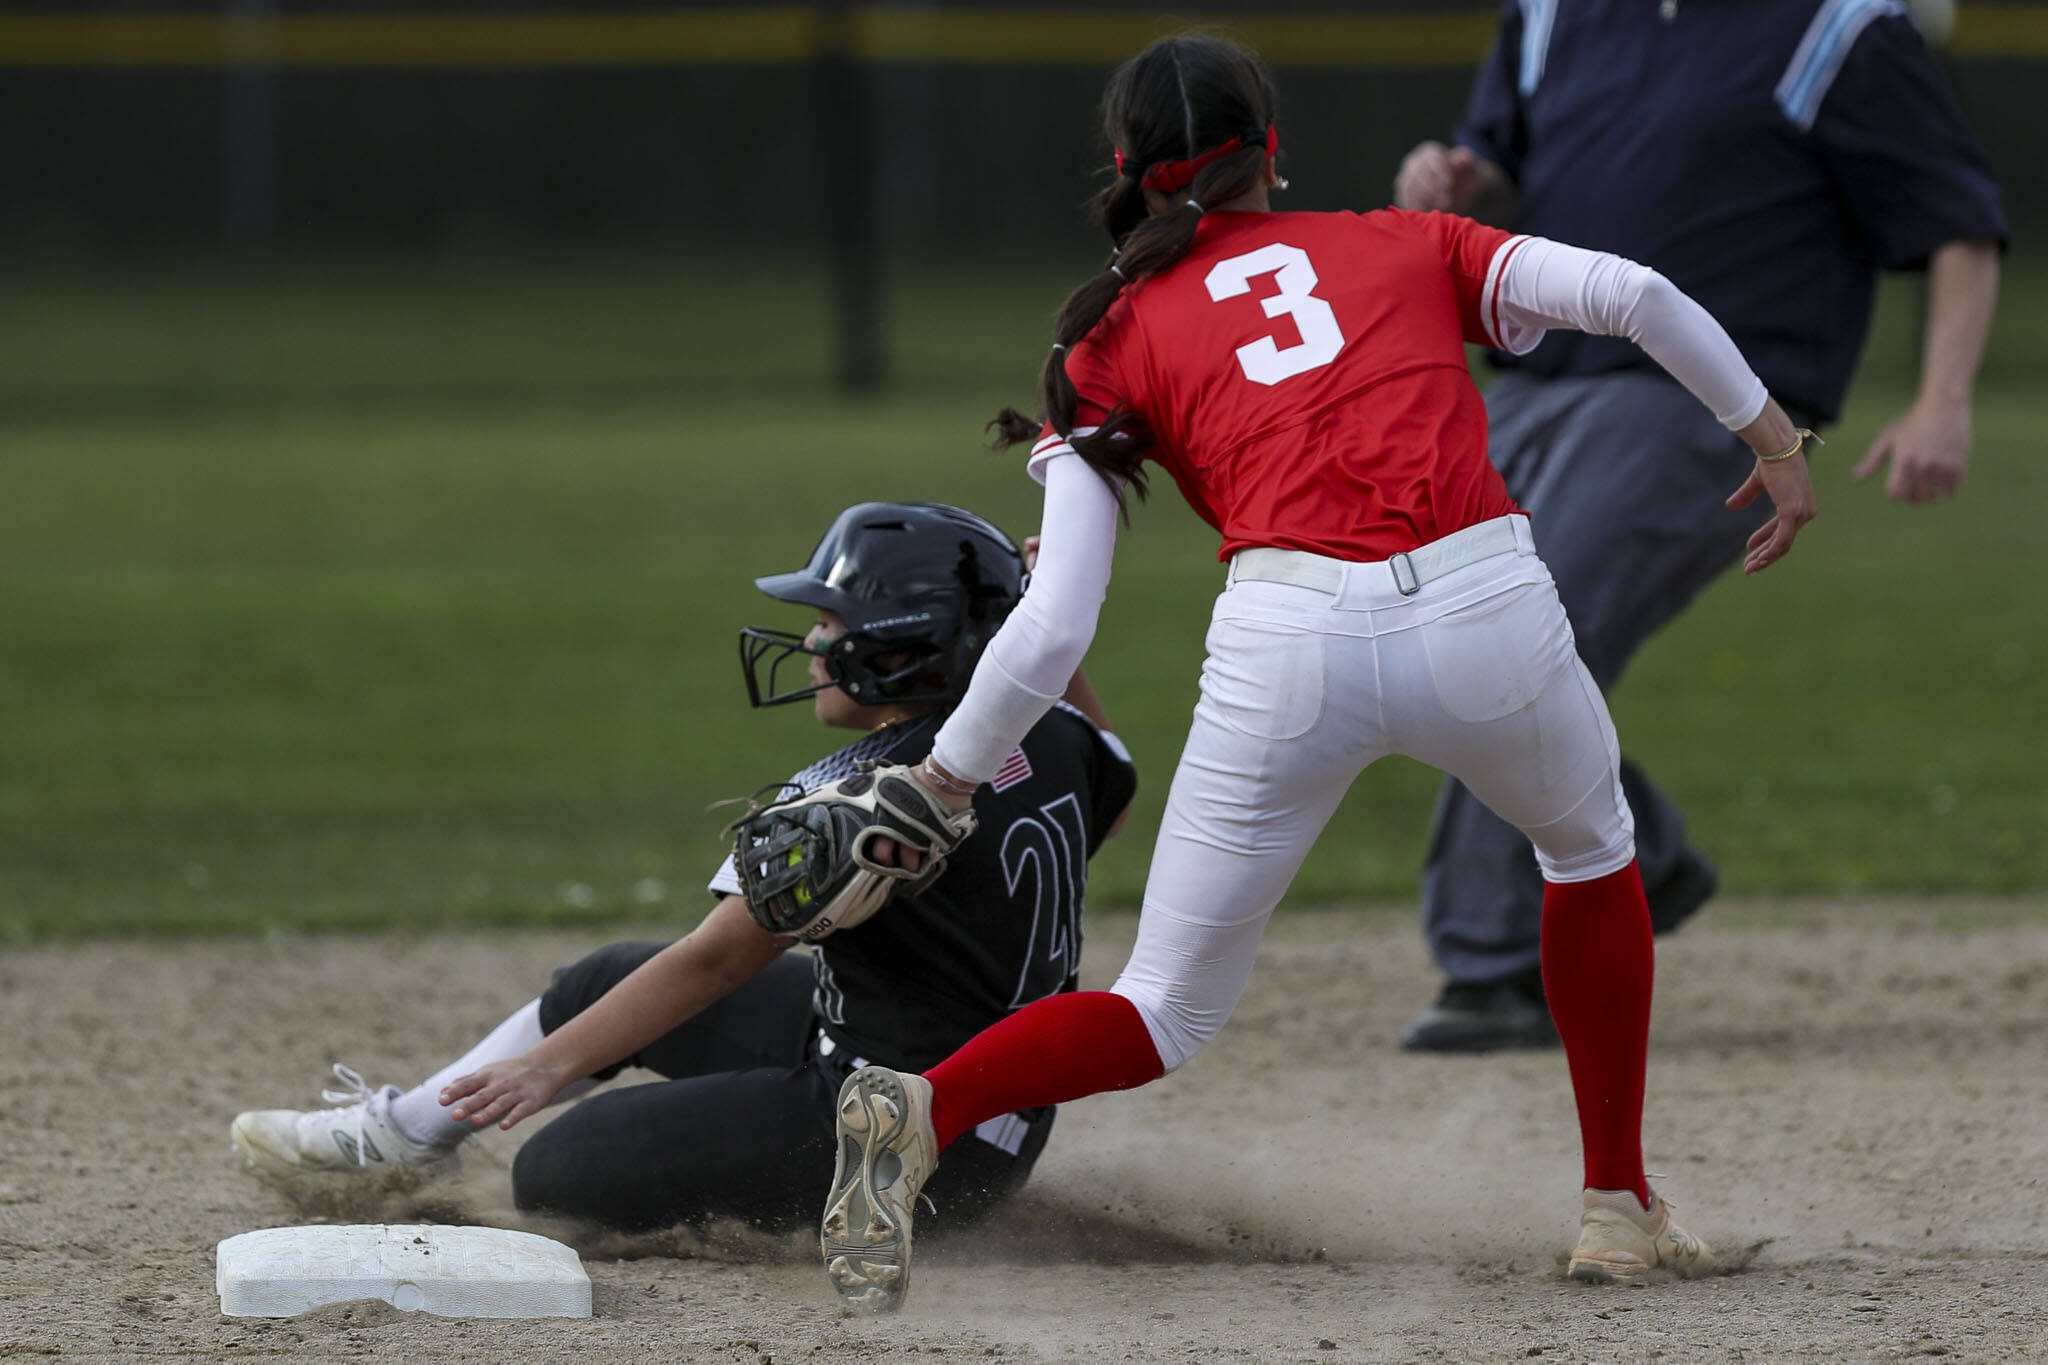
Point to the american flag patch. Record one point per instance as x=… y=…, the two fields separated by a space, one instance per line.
x=1014 y=770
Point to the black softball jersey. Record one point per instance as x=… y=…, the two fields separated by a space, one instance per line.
x=1002 y=925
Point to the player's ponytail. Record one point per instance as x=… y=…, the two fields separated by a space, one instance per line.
x=1190 y=116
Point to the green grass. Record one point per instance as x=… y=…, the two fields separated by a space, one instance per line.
x=380 y=593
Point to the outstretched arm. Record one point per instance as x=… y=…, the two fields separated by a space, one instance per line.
x=1080 y=693
x=719 y=955
x=1542 y=284
x=1033 y=658
x=1928 y=447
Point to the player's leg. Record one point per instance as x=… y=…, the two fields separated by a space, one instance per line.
x=754 y=1145
x=1574 y=453
x=741 y=1127
x=375 y=1128
x=1494 y=695
x=1270 y=753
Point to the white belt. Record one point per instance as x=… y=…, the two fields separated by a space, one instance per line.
x=1409 y=569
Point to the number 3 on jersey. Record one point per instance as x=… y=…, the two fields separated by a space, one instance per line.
x=1265 y=361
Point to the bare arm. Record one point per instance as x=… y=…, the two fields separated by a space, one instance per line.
x=1443 y=179
x=1080 y=695
x=1928 y=447
x=722 y=953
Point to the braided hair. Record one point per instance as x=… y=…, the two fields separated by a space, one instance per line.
x=1190 y=115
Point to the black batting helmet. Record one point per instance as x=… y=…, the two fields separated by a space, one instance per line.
x=921 y=587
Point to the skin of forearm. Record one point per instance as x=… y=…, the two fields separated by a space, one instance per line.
x=1962 y=293
x=719 y=955
x=1080 y=695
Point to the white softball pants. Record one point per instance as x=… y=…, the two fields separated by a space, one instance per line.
x=1474 y=674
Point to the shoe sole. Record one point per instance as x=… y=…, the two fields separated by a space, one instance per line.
x=1589 y=1271
x=864 y=1238
x=1594 y=1270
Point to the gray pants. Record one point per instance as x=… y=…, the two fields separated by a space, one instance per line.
x=1624 y=477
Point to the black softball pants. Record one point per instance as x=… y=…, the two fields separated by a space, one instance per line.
x=741 y=1126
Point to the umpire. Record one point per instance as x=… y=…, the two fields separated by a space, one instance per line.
x=1769 y=157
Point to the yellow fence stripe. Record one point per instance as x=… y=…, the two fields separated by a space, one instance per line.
x=1982 y=31
x=1082 y=37
x=738 y=35
x=680 y=38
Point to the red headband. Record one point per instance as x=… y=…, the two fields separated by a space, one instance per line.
x=1171 y=177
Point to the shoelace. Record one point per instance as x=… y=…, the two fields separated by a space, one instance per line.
x=357 y=1096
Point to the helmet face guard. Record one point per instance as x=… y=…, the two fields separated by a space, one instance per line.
x=915 y=675
x=920 y=587
x=763 y=653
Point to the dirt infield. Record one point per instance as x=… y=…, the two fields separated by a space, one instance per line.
x=1858 y=1105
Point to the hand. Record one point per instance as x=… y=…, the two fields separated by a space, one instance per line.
x=503 y=1092
x=892 y=854
x=1928 y=449
x=1436 y=177
x=909 y=859
x=1788 y=482
x=1031 y=552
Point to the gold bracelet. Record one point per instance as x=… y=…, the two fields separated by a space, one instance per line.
x=1799 y=441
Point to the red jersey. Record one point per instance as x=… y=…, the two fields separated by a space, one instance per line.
x=1303 y=377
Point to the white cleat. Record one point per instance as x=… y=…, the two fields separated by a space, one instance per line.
x=1621 y=1242
x=887 y=1150
x=355 y=1136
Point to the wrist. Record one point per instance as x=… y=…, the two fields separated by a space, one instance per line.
x=555 y=1056
x=1770 y=435
x=1794 y=447
x=1947 y=401
x=955 y=791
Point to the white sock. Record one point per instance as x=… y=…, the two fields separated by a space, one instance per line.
x=419 y=1113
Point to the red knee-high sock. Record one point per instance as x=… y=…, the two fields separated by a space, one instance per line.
x=1054 y=1050
x=1597 y=967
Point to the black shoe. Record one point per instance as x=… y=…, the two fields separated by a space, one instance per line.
x=1689 y=884
x=1491 y=1017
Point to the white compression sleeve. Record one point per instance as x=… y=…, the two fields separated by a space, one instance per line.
x=1548 y=284
x=1033 y=657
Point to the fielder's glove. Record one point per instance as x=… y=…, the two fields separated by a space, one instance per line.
x=803 y=862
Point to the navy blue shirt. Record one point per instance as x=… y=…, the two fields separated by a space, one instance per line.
x=1768 y=156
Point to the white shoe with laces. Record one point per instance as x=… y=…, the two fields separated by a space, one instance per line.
x=887 y=1150
x=1621 y=1242
x=355 y=1136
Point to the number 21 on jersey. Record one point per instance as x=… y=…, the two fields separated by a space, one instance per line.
x=1265 y=361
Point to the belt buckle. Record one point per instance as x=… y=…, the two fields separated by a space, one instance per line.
x=1405 y=580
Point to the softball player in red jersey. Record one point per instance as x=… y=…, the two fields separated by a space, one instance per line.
x=1301 y=376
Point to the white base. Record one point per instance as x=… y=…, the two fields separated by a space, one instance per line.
x=420 y=1268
